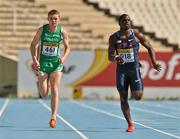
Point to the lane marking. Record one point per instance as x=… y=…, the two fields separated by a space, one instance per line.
x=157 y=113
x=160 y=106
x=148 y=111
x=66 y=122
x=119 y=117
x=4 y=106
x=173 y=103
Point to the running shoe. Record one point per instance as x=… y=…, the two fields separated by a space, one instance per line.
x=131 y=128
x=52 y=123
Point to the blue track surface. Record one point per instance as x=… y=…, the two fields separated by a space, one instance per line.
x=88 y=119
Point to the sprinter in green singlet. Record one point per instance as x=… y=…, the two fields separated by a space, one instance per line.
x=50 y=62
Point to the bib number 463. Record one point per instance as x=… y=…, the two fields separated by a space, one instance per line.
x=50 y=51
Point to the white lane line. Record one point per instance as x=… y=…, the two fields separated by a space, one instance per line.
x=148 y=111
x=66 y=122
x=160 y=106
x=157 y=113
x=119 y=117
x=4 y=107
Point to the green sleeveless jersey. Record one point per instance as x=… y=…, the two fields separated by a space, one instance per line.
x=50 y=43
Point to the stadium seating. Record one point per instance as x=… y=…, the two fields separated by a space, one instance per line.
x=88 y=27
x=160 y=16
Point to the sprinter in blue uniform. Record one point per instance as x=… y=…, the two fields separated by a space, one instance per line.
x=123 y=49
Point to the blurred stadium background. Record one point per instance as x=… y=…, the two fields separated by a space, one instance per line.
x=89 y=24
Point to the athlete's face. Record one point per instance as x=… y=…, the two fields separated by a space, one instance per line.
x=125 y=22
x=54 y=20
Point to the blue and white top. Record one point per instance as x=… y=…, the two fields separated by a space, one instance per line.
x=128 y=49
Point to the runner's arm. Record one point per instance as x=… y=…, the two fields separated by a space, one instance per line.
x=66 y=46
x=111 y=49
x=34 y=44
x=151 y=51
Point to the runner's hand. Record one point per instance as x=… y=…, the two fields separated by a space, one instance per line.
x=119 y=59
x=35 y=66
x=157 y=67
x=61 y=60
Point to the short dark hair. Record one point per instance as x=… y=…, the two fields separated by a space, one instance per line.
x=51 y=12
x=122 y=17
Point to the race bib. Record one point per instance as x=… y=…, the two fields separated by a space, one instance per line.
x=50 y=51
x=127 y=55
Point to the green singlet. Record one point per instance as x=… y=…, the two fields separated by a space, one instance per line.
x=49 y=51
